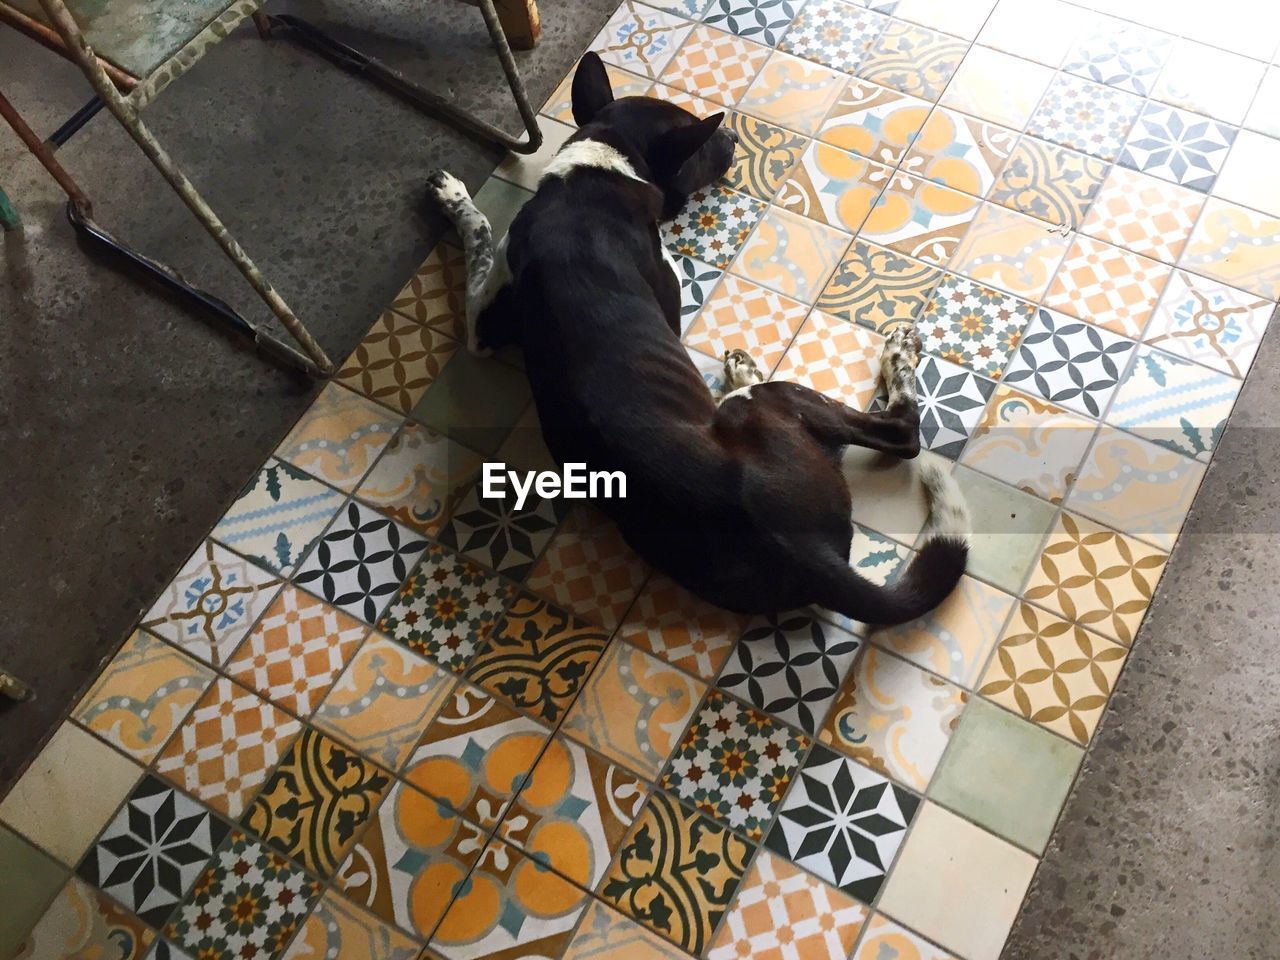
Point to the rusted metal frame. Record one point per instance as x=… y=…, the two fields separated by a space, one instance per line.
x=44 y=153
x=357 y=62
x=190 y=52
x=316 y=361
x=47 y=37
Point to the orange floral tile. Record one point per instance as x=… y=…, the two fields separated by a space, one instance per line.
x=396 y=361
x=1053 y=672
x=874 y=122
x=1010 y=251
x=1140 y=213
x=1136 y=486
x=1240 y=247
x=833 y=186
x=918 y=217
x=792 y=93
x=435 y=295
x=741 y=315
x=589 y=569
x=878 y=288
x=673 y=624
x=339 y=437
x=634 y=709
x=913 y=59
x=834 y=357
x=959 y=152
x=1096 y=577
x=1108 y=286
x=715 y=64
x=791 y=254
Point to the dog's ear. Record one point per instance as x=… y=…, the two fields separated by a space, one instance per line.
x=592 y=91
x=671 y=150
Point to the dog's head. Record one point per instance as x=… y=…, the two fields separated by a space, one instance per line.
x=683 y=153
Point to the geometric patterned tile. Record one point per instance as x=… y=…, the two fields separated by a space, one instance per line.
x=836 y=358
x=317 y=803
x=1178 y=145
x=337 y=928
x=228 y=745
x=677 y=872
x=1049 y=182
x=640 y=39
x=1136 y=487
x=873 y=122
x=833 y=33
x=296 y=651
x=894 y=717
x=475 y=755
x=446 y=608
x=211 y=603
x=559 y=105
x=396 y=361
x=247 y=905
x=884 y=938
x=589 y=569
x=917 y=217
x=1120 y=54
x=1096 y=577
x=419 y=478
x=762 y=20
x=83 y=923
x=435 y=295
x=791 y=254
x=1034 y=445
x=142 y=695
x=383 y=701
x=765 y=155
x=1237 y=246
x=951 y=402
x=713 y=225
x=1143 y=214
x=792 y=93
x=605 y=934
x=573 y=811
x=1070 y=362
x=278 y=516
x=741 y=315
x=697 y=280
x=1085 y=116
x=735 y=763
x=959 y=152
x=912 y=59
x=781 y=911
x=1108 y=286
x=499 y=534
x=339 y=437
x=151 y=853
x=972 y=325
x=955 y=638
x=538 y=658
x=1210 y=323
x=715 y=64
x=1053 y=672
x=878 y=288
x=833 y=186
x=633 y=709
x=843 y=822
x=1174 y=402
x=671 y=623
x=790 y=665
x=1011 y=251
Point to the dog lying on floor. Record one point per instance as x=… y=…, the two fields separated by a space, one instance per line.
x=742 y=502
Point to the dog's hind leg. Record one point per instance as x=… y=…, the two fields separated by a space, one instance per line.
x=487 y=270
x=740 y=374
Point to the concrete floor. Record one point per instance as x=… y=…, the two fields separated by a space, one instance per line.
x=128 y=427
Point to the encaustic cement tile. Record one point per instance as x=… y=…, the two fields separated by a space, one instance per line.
x=1010 y=251
x=337 y=928
x=227 y=746
x=912 y=59
x=142 y=695
x=1085 y=116
x=677 y=872
x=765 y=156
x=211 y=604
x=499 y=534
x=878 y=288
x=339 y=437
x=793 y=93
x=735 y=763
x=959 y=152
x=634 y=709
x=973 y=325
x=397 y=360
x=791 y=254
x=884 y=938
x=833 y=33
x=419 y=478
x=605 y=934
x=640 y=39
x=676 y=626
x=574 y=810
x=834 y=357
x=1208 y=322
x=1238 y=247
x=81 y=922
x=713 y=225
x=435 y=295
x=874 y=122
x=1140 y=213
x=715 y=64
x=742 y=315
x=894 y=717
x=1049 y=182
x=833 y=186
x=475 y=754
x=1108 y=286
x=918 y=217
x=1070 y=362
x=762 y=20
x=781 y=911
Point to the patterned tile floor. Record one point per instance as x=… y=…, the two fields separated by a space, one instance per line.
x=375 y=715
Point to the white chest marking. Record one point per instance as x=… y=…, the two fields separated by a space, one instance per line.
x=588 y=153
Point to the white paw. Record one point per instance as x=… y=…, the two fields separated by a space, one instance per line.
x=446 y=188
x=740 y=370
x=903 y=343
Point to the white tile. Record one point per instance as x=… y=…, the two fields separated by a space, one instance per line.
x=524 y=170
x=1209 y=81
x=1249 y=177
x=1264 y=115
x=960 y=18
x=1042 y=30
x=996 y=86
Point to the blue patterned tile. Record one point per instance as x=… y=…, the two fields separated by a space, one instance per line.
x=278 y=516
x=641 y=39
x=764 y=21
x=1085 y=116
x=1122 y=55
x=1178 y=145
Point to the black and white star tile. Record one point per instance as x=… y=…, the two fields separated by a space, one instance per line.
x=843 y=822
x=501 y=535
x=150 y=854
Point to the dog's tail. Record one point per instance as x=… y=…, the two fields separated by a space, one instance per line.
x=451 y=195
x=927 y=580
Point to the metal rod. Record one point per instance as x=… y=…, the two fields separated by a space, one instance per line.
x=42 y=152
x=47 y=37
x=76 y=122
x=129 y=119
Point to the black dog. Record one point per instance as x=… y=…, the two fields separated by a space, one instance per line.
x=743 y=502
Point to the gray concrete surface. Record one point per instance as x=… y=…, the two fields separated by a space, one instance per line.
x=127 y=425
